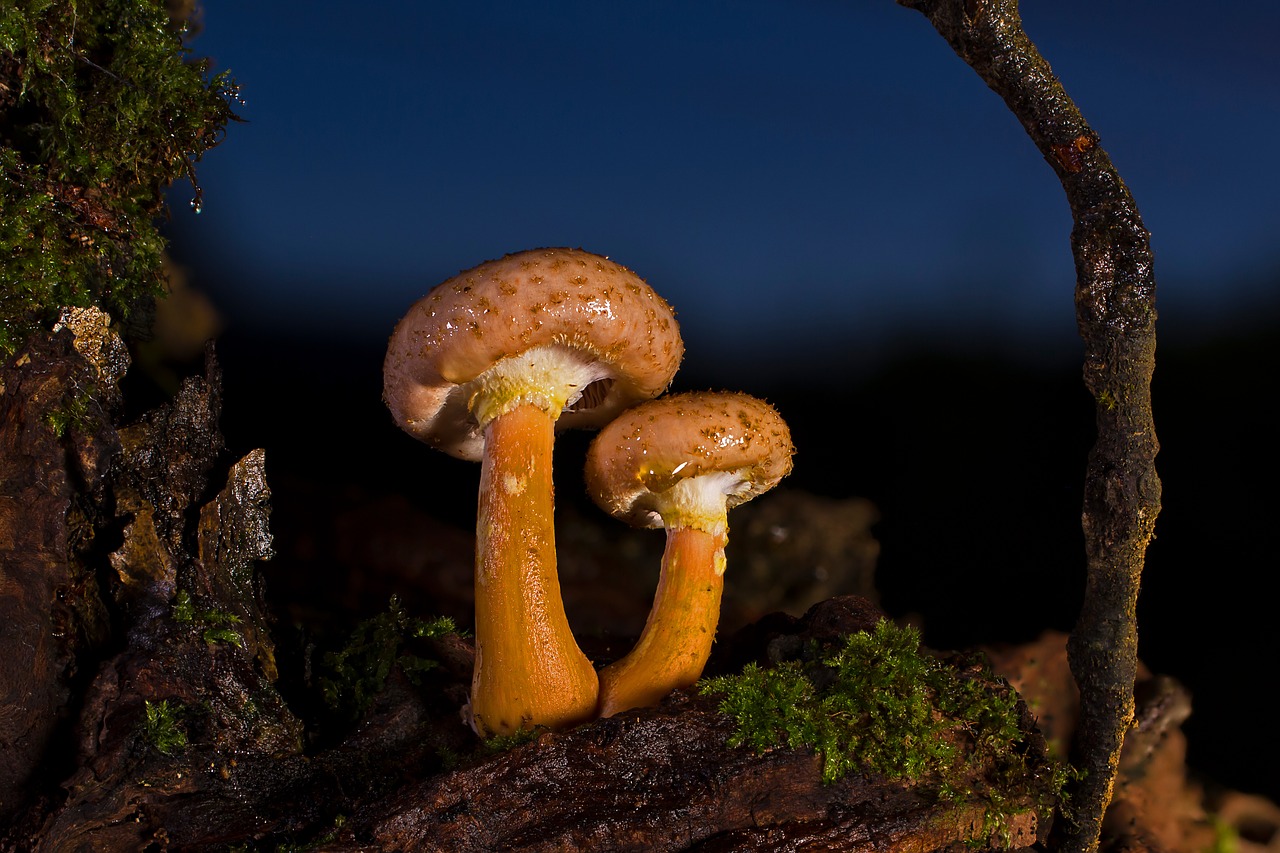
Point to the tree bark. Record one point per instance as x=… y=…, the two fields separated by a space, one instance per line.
x=56 y=444
x=1115 y=313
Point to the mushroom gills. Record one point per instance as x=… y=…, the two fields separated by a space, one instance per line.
x=700 y=502
x=592 y=395
x=551 y=377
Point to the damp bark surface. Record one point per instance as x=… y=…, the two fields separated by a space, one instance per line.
x=1115 y=313
x=54 y=449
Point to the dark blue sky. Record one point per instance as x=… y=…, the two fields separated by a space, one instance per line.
x=787 y=174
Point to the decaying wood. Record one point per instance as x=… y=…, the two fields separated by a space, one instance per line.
x=663 y=779
x=1158 y=804
x=164 y=537
x=56 y=443
x=1115 y=312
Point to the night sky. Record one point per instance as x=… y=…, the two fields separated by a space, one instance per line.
x=787 y=175
x=842 y=216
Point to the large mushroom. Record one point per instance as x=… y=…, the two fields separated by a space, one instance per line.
x=485 y=367
x=681 y=462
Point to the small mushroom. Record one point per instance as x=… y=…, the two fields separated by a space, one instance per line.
x=485 y=367
x=681 y=462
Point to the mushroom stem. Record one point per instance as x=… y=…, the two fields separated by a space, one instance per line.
x=677 y=637
x=529 y=670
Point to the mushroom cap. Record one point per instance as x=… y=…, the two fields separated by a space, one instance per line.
x=636 y=462
x=592 y=312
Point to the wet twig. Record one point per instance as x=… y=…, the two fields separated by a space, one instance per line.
x=1115 y=311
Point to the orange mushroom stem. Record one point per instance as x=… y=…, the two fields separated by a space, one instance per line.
x=676 y=641
x=529 y=670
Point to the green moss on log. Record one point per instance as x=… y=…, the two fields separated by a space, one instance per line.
x=878 y=704
x=352 y=676
x=101 y=109
x=164 y=728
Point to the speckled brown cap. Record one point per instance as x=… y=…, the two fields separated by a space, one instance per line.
x=649 y=449
x=563 y=298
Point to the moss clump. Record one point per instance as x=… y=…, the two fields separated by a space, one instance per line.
x=502 y=743
x=877 y=704
x=354 y=674
x=101 y=109
x=218 y=626
x=163 y=729
x=74 y=414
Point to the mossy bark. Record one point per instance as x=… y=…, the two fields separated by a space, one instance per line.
x=1115 y=312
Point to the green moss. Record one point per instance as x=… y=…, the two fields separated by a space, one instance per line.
x=222 y=635
x=354 y=674
x=72 y=414
x=101 y=109
x=163 y=729
x=1225 y=837
x=877 y=704
x=448 y=758
x=183 y=609
x=218 y=626
x=502 y=743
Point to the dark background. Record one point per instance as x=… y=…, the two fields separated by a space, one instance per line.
x=847 y=223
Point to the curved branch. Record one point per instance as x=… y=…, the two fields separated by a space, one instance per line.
x=1115 y=312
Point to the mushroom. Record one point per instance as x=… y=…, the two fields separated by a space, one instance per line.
x=485 y=367
x=681 y=462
